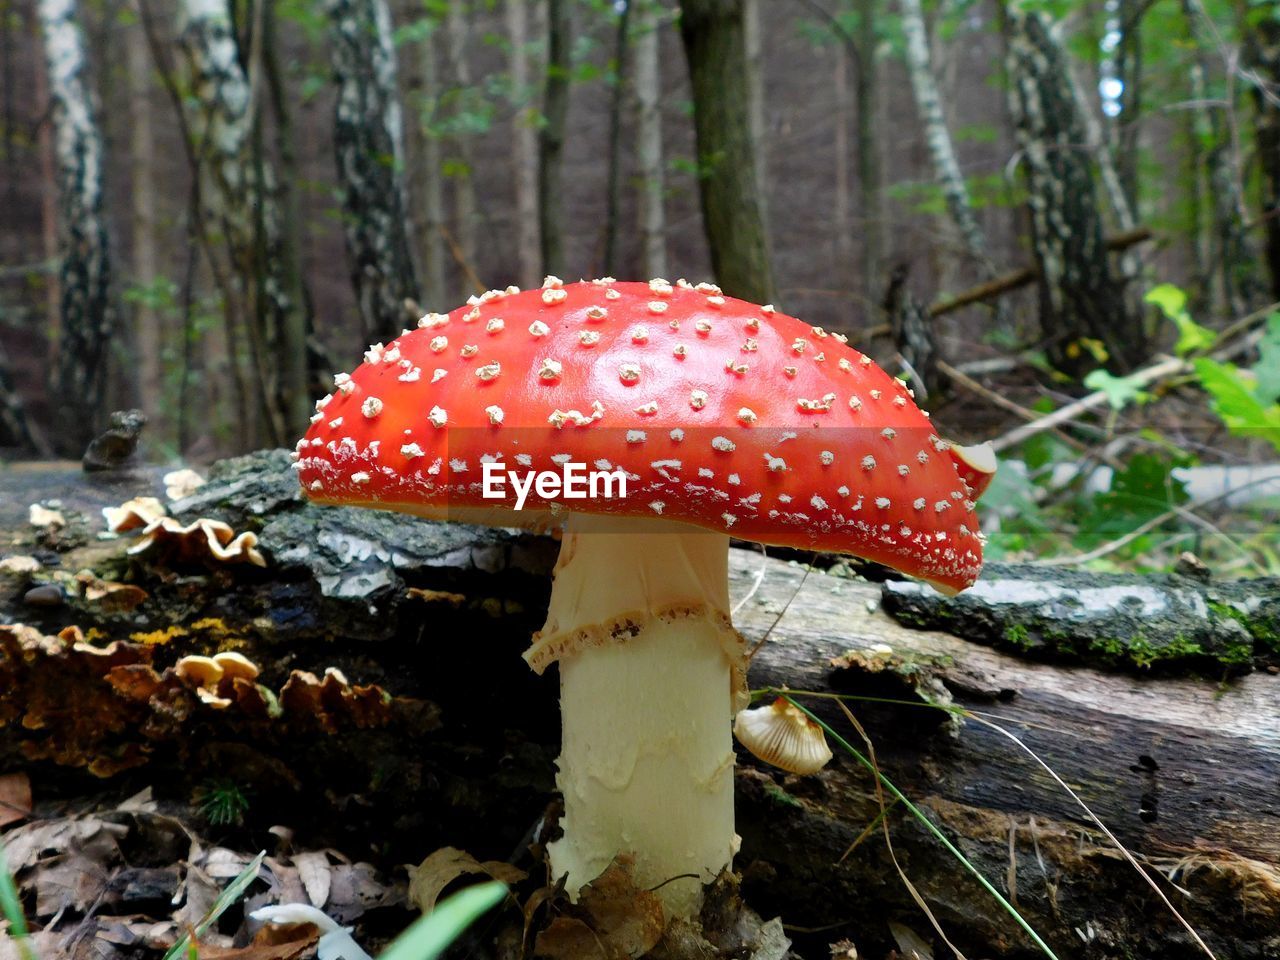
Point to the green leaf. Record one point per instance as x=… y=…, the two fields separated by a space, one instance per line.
x=1240 y=409
x=428 y=937
x=1120 y=391
x=1172 y=301
x=1267 y=369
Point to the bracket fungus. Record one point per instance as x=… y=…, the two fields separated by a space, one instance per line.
x=722 y=417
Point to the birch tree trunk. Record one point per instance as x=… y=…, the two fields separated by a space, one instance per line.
x=367 y=137
x=457 y=32
x=555 y=110
x=236 y=187
x=524 y=146
x=648 y=84
x=143 y=174
x=1080 y=299
x=423 y=157
x=86 y=322
x=732 y=207
x=938 y=137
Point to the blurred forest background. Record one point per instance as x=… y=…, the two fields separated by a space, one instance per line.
x=1059 y=220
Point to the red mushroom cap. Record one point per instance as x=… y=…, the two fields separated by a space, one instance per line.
x=723 y=414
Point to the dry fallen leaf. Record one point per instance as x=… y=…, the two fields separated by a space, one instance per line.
x=15 y=798
x=447 y=864
x=613 y=920
x=313 y=870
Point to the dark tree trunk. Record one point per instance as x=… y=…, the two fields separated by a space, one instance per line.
x=555 y=114
x=912 y=330
x=732 y=207
x=870 y=179
x=367 y=142
x=1080 y=298
x=613 y=185
x=1262 y=50
x=86 y=320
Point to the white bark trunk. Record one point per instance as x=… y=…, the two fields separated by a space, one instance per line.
x=368 y=130
x=937 y=136
x=648 y=87
x=86 y=321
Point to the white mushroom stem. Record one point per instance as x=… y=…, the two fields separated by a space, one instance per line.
x=651 y=673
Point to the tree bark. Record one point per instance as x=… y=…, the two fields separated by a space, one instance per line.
x=753 y=43
x=1181 y=765
x=938 y=137
x=149 y=334
x=1080 y=299
x=86 y=319
x=368 y=143
x=238 y=204
x=870 y=177
x=617 y=98
x=424 y=162
x=1262 y=53
x=649 y=152
x=524 y=145
x=732 y=207
x=555 y=115
x=466 y=210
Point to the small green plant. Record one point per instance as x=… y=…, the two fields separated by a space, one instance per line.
x=11 y=909
x=187 y=943
x=1247 y=400
x=223 y=803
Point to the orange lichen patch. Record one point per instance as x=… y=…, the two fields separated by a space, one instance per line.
x=201 y=541
x=133 y=514
x=157 y=638
x=106 y=709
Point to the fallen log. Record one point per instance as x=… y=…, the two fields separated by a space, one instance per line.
x=1182 y=767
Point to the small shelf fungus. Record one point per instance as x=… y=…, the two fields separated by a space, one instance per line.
x=782 y=736
x=718 y=425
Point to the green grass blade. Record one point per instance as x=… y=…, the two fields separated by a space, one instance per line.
x=11 y=907
x=429 y=936
x=930 y=826
x=233 y=892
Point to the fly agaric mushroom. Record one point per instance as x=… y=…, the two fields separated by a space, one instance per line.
x=725 y=418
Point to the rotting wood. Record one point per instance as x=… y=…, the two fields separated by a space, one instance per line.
x=1181 y=768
